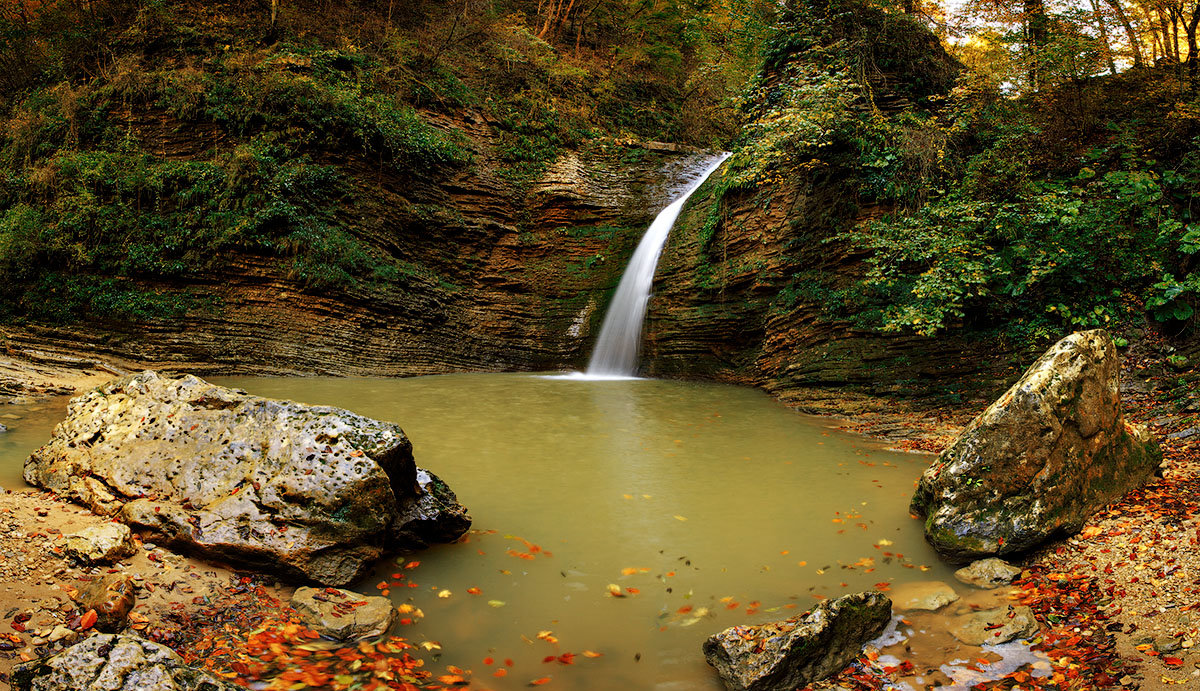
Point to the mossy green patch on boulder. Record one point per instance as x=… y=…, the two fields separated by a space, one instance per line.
x=1040 y=460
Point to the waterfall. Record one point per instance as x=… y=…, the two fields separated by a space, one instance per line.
x=620 y=337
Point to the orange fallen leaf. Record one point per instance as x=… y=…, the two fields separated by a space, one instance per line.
x=88 y=620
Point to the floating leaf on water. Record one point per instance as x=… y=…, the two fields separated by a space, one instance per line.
x=680 y=518
x=615 y=590
x=430 y=645
x=444 y=594
x=540 y=681
x=496 y=603
x=591 y=653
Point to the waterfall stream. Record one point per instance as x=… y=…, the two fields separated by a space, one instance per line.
x=616 y=352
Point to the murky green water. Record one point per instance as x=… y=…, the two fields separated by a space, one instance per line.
x=682 y=495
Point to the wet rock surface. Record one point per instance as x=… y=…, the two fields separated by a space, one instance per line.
x=114 y=663
x=111 y=598
x=988 y=573
x=994 y=626
x=788 y=654
x=1040 y=460
x=312 y=492
x=102 y=544
x=344 y=615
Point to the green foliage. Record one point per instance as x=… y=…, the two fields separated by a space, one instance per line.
x=1034 y=252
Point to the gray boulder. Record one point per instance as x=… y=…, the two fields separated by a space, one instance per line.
x=344 y=615
x=311 y=492
x=988 y=573
x=1040 y=460
x=108 y=662
x=793 y=653
x=100 y=544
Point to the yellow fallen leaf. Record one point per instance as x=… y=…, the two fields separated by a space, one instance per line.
x=615 y=590
x=885 y=543
x=680 y=518
x=431 y=645
x=496 y=603
x=445 y=594
x=627 y=496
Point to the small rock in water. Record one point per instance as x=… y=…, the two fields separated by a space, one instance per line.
x=926 y=595
x=994 y=626
x=111 y=597
x=795 y=652
x=101 y=544
x=988 y=573
x=344 y=614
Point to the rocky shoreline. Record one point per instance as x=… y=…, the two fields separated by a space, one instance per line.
x=1155 y=392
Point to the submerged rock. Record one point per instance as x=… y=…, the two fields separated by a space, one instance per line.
x=108 y=662
x=1040 y=460
x=793 y=653
x=995 y=626
x=100 y=544
x=344 y=615
x=988 y=573
x=111 y=597
x=925 y=595
x=312 y=492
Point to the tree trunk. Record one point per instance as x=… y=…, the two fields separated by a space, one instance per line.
x=1192 y=61
x=1135 y=43
x=1036 y=31
x=1105 y=46
x=274 y=12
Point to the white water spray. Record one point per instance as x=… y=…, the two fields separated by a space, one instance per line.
x=616 y=352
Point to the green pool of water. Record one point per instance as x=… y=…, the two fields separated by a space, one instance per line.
x=705 y=505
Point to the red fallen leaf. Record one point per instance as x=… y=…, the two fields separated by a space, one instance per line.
x=567 y=658
x=17 y=626
x=474 y=591
x=508 y=662
x=1172 y=661
x=592 y=653
x=539 y=682
x=88 y=620
x=412 y=564
x=488 y=661
x=548 y=658
x=632 y=591
x=684 y=610
x=883 y=587
x=500 y=672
